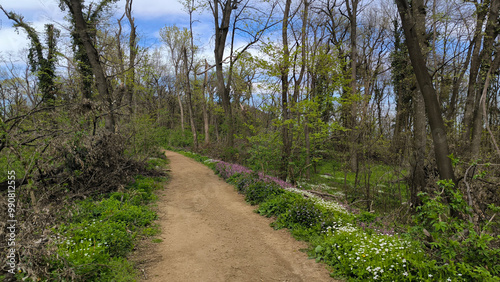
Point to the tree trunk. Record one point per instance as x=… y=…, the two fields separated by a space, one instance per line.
x=81 y=28
x=221 y=31
x=187 y=88
x=130 y=82
x=352 y=10
x=473 y=73
x=205 y=106
x=285 y=153
x=418 y=177
x=418 y=180
x=480 y=63
x=432 y=107
x=181 y=109
x=401 y=76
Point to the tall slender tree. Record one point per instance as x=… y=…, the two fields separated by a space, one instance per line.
x=409 y=19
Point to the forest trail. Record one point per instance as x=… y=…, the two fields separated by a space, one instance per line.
x=211 y=234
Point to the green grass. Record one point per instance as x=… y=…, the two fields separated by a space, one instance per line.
x=379 y=173
x=94 y=243
x=388 y=190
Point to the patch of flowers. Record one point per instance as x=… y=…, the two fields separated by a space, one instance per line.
x=84 y=251
x=226 y=170
x=209 y=161
x=330 y=205
x=338 y=226
x=372 y=257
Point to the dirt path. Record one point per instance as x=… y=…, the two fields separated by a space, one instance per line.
x=210 y=234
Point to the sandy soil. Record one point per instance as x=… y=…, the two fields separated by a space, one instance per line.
x=211 y=234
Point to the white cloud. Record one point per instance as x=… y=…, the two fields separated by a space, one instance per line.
x=33 y=10
x=15 y=40
x=12 y=41
x=24 y=4
x=36 y=12
x=154 y=8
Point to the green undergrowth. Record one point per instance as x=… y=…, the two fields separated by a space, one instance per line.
x=94 y=243
x=387 y=184
x=356 y=249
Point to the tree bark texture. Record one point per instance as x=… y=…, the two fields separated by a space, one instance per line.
x=285 y=154
x=432 y=107
x=187 y=88
x=221 y=31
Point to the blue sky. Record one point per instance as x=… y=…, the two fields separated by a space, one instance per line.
x=150 y=16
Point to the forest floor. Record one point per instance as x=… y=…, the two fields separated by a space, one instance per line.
x=209 y=233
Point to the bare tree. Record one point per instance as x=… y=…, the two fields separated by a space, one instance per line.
x=174 y=38
x=228 y=14
x=287 y=146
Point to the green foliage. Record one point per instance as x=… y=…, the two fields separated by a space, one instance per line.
x=383 y=180
x=111 y=236
x=442 y=223
x=230 y=153
x=264 y=151
x=179 y=139
x=199 y=158
x=147 y=135
x=279 y=204
x=240 y=181
x=9 y=162
x=302 y=213
x=258 y=192
x=366 y=217
x=101 y=233
x=149 y=231
x=454 y=160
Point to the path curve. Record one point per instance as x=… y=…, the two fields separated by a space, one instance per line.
x=211 y=234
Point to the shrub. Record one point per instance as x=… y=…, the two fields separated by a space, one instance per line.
x=302 y=213
x=240 y=181
x=257 y=192
x=450 y=237
x=278 y=204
